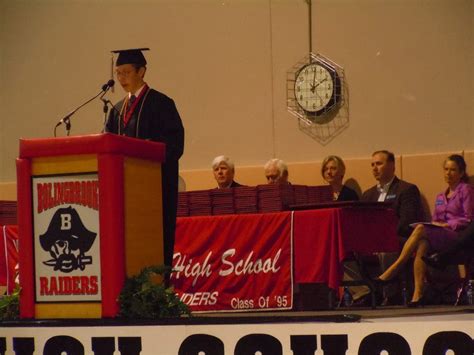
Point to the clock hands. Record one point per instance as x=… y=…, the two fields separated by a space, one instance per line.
x=321 y=81
x=315 y=85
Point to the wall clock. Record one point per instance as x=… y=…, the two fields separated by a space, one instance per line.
x=316 y=94
x=317 y=88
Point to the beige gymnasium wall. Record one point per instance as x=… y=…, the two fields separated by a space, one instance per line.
x=408 y=66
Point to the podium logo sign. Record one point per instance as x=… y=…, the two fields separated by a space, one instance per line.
x=67 y=241
x=66 y=238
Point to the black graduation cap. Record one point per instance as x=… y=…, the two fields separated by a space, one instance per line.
x=131 y=56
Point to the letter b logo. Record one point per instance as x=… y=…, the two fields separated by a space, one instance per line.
x=65 y=221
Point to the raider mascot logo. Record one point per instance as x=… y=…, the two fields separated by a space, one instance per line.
x=67 y=241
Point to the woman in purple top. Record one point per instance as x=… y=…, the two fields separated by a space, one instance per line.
x=454 y=210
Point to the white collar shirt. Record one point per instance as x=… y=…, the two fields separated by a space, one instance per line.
x=383 y=190
x=136 y=93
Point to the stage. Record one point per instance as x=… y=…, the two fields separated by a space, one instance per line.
x=314 y=244
x=397 y=330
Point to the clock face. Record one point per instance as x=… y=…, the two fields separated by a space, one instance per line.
x=316 y=88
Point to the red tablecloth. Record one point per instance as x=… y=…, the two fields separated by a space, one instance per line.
x=323 y=238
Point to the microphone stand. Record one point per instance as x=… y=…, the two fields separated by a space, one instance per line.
x=67 y=119
x=105 y=109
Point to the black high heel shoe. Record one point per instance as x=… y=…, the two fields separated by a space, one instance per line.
x=418 y=303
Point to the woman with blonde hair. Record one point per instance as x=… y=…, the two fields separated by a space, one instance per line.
x=332 y=171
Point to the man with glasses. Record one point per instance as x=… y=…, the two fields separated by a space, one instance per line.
x=149 y=114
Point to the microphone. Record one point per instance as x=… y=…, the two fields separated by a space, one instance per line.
x=108 y=85
x=66 y=119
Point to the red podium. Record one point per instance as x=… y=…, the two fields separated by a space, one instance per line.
x=89 y=214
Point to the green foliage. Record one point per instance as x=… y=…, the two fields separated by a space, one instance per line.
x=141 y=298
x=10 y=305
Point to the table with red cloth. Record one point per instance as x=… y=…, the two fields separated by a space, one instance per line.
x=323 y=238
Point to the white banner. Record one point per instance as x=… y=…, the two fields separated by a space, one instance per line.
x=410 y=335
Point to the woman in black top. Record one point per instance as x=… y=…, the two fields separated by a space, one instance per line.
x=333 y=170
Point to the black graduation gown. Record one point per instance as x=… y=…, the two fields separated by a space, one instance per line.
x=156 y=118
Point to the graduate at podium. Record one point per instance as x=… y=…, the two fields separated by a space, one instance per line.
x=149 y=114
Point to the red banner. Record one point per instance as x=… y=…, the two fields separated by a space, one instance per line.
x=8 y=258
x=225 y=263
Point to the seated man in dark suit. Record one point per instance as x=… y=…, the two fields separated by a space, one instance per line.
x=223 y=170
x=405 y=200
x=404 y=196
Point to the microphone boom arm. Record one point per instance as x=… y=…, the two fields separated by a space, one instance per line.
x=67 y=119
